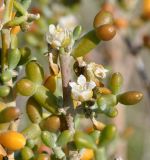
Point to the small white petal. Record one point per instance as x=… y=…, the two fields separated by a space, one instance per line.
x=73 y=84
x=91 y=85
x=52 y=29
x=81 y=80
x=86 y=95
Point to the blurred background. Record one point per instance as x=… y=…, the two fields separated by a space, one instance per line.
x=128 y=53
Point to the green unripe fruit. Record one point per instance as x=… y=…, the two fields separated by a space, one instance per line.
x=104 y=101
x=26 y=87
x=52 y=124
x=49 y=139
x=116 y=82
x=106 y=32
x=6 y=76
x=107 y=134
x=4 y=91
x=130 y=98
x=111 y=112
x=13 y=58
x=34 y=72
x=30 y=143
x=26 y=153
x=34 y=110
x=31 y=132
x=83 y=140
x=46 y=99
x=43 y=156
x=95 y=135
x=88 y=42
x=9 y=114
x=25 y=54
x=64 y=138
x=103 y=17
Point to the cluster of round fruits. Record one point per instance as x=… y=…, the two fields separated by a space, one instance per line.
x=49 y=136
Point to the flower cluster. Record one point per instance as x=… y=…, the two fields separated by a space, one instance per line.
x=58 y=37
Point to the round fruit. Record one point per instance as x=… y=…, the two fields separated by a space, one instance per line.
x=9 y=114
x=51 y=124
x=26 y=153
x=34 y=72
x=107 y=134
x=50 y=83
x=130 y=98
x=4 y=91
x=88 y=154
x=106 y=32
x=12 y=140
x=146 y=8
x=26 y=87
x=116 y=82
x=102 y=18
x=34 y=110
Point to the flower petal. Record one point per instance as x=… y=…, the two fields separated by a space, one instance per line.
x=91 y=85
x=81 y=80
x=52 y=29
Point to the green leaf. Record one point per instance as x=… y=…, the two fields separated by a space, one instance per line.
x=88 y=42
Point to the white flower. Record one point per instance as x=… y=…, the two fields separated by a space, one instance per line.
x=69 y=21
x=118 y=158
x=59 y=37
x=82 y=90
x=98 y=70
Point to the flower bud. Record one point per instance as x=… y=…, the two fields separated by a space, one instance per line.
x=26 y=87
x=13 y=58
x=116 y=82
x=130 y=98
x=9 y=114
x=34 y=110
x=76 y=32
x=34 y=72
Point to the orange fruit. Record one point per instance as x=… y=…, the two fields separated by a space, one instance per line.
x=50 y=83
x=106 y=32
x=12 y=140
x=88 y=154
x=121 y=23
x=146 y=9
